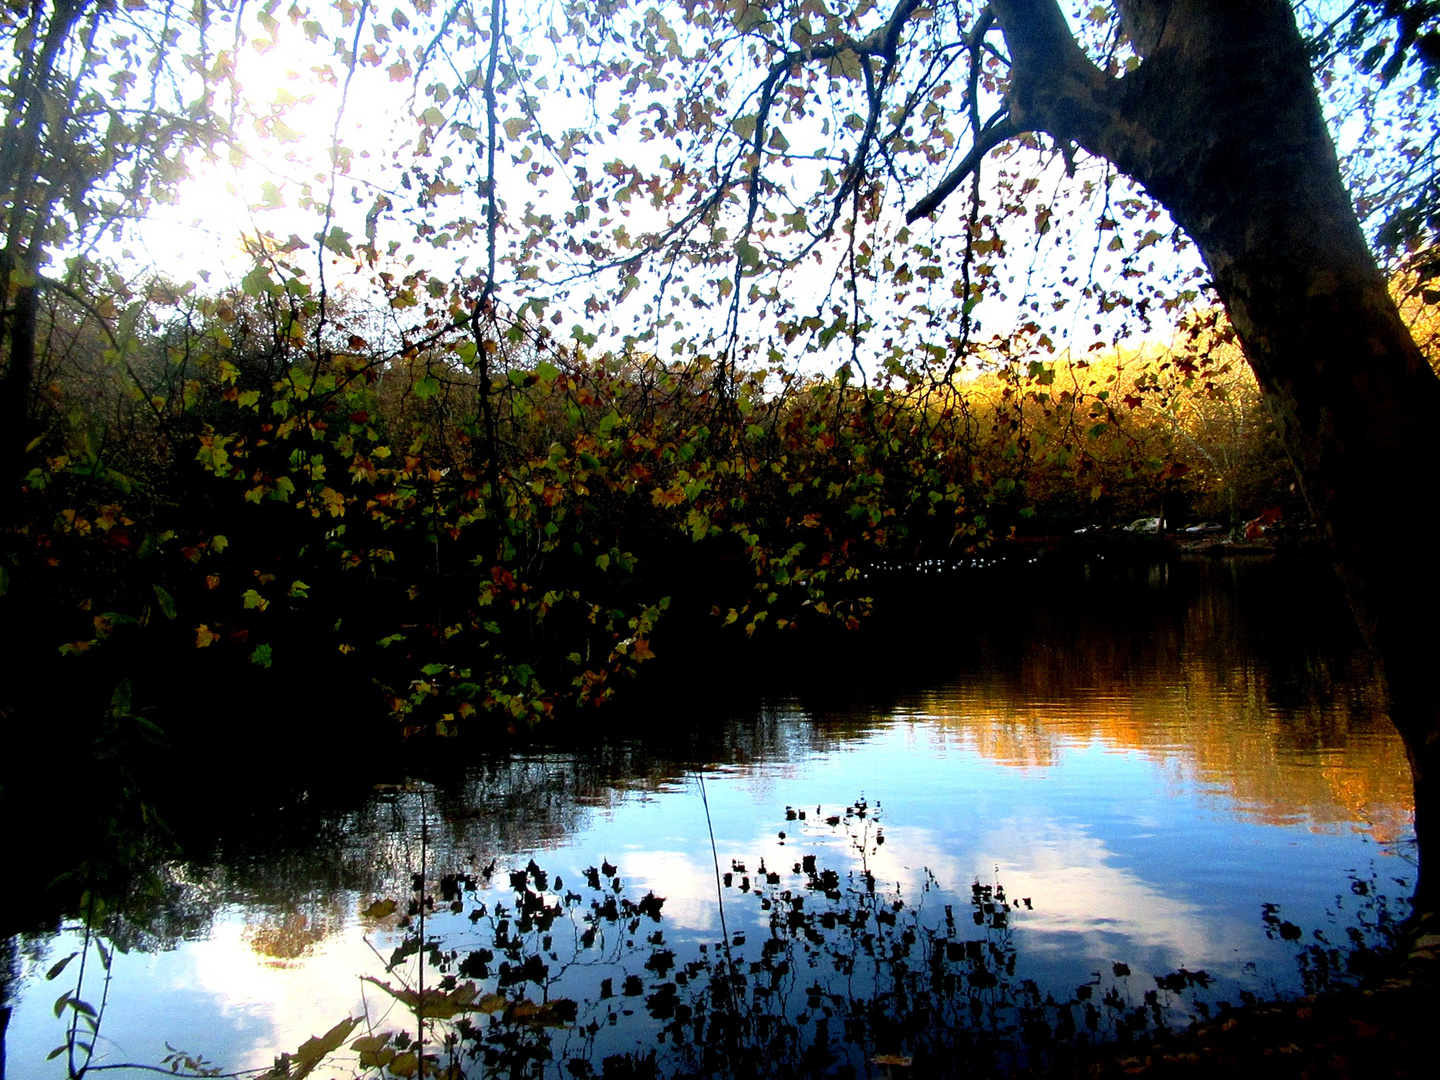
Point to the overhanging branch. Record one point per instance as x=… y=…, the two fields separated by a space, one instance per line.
x=1001 y=127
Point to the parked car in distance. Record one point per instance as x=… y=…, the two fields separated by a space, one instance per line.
x=1206 y=528
x=1144 y=525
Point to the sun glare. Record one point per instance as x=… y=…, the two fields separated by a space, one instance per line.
x=299 y=157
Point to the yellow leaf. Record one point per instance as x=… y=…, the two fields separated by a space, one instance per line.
x=380 y=909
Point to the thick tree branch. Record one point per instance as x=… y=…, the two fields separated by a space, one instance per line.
x=1144 y=22
x=884 y=40
x=1054 y=87
x=1001 y=128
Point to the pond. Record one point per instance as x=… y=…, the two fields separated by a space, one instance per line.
x=1095 y=800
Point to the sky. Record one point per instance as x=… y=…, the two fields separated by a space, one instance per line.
x=299 y=102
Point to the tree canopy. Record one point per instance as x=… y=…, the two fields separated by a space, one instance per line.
x=533 y=294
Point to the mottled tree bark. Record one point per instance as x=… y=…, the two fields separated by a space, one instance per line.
x=1222 y=125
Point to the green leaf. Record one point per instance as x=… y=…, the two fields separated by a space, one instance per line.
x=165 y=600
x=845 y=65
x=427 y=388
x=339 y=242
x=58 y=967
x=262 y=655
x=120 y=699
x=747 y=15
x=213 y=455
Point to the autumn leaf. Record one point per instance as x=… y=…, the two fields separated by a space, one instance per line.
x=338 y=241
x=380 y=909
x=312 y=1052
x=845 y=64
x=437 y=1004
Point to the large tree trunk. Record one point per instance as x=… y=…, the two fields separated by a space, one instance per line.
x=1221 y=124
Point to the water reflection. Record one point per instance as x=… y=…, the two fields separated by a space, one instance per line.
x=1149 y=761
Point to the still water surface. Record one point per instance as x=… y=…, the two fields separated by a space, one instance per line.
x=1142 y=760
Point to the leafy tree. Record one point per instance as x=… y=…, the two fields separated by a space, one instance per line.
x=667 y=179
x=790 y=134
x=103 y=104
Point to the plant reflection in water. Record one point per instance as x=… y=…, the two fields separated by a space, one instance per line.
x=828 y=972
x=837 y=974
